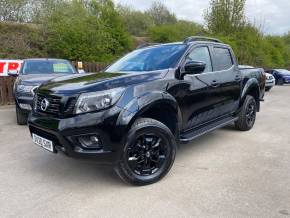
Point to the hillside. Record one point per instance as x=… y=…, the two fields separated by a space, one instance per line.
x=21 y=41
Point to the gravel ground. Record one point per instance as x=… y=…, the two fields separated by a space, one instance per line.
x=225 y=173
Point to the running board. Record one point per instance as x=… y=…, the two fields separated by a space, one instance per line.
x=206 y=129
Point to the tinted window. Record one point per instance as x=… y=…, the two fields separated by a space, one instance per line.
x=201 y=54
x=223 y=59
x=47 y=67
x=149 y=59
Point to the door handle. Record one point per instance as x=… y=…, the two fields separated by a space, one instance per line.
x=215 y=84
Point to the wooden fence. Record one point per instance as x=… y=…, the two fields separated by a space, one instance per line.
x=6 y=90
x=92 y=67
x=6 y=82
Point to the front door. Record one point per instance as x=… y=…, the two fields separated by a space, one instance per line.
x=201 y=92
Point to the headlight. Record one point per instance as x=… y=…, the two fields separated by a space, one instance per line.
x=95 y=101
x=26 y=89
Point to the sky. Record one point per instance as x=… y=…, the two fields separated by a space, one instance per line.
x=272 y=16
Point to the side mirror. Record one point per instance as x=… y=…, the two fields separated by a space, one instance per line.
x=13 y=73
x=194 y=67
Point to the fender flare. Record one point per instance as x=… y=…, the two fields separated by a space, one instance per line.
x=250 y=86
x=139 y=105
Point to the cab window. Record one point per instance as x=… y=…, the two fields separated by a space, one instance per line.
x=201 y=54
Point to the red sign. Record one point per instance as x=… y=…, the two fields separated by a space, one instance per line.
x=9 y=65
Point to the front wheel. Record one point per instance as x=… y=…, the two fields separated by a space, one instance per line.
x=247 y=116
x=267 y=89
x=21 y=116
x=148 y=154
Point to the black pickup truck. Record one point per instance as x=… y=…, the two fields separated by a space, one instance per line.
x=135 y=113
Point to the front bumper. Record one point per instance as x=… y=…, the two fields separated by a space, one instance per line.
x=270 y=83
x=25 y=103
x=64 y=134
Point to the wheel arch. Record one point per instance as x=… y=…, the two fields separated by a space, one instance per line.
x=251 y=88
x=156 y=105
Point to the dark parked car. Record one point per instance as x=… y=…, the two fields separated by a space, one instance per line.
x=135 y=113
x=32 y=74
x=282 y=76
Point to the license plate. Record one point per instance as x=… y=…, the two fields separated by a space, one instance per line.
x=42 y=142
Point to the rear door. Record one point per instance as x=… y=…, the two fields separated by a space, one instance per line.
x=229 y=78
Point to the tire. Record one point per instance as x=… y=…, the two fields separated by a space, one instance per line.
x=148 y=154
x=21 y=116
x=247 y=116
x=268 y=89
x=280 y=82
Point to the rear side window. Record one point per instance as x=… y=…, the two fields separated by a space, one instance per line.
x=223 y=59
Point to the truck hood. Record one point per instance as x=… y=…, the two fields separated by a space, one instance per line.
x=82 y=83
x=37 y=79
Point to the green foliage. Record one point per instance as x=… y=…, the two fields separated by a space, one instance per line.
x=19 y=41
x=160 y=14
x=226 y=20
x=225 y=16
x=95 y=30
x=91 y=31
x=174 y=32
x=137 y=23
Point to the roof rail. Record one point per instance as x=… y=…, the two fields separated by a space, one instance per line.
x=144 y=45
x=200 y=38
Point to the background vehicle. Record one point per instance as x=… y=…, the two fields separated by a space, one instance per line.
x=282 y=76
x=135 y=113
x=32 y=74
x=270 y=81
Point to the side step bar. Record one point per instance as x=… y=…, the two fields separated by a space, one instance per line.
x=189 y=136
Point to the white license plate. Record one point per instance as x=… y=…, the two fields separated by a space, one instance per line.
x=42 y=142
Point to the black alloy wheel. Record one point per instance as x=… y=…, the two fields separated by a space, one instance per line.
x=148 y=154
x=247 y=116
x=251 y=113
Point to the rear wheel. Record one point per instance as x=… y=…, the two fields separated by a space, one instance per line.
x=148 y=154
x=247 y=116
x=21 y=116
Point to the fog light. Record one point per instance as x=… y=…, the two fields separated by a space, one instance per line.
x=90 y=142
x=25 y=107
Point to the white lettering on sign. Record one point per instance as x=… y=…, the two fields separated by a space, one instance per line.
x=9 y=65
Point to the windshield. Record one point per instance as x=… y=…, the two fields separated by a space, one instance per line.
x=284 y=72
x=47 y=67
x=149 y=59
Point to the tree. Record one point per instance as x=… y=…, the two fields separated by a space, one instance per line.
x=91 y=31
x=19 y=10
x=160 y=14
x=175 y=32
x=225 y=16
x=12 y=10
x=137 y=23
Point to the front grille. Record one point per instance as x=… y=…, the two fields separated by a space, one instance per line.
x=53 y=107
